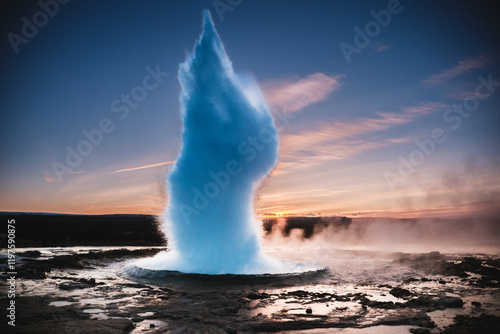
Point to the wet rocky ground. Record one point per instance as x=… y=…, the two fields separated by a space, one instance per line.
x=88 y=291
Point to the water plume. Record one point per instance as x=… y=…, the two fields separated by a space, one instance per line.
x=229 y=145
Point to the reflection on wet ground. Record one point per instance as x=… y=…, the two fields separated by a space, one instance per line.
x=362 y=292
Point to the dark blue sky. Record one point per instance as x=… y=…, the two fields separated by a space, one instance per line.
x=428 y=57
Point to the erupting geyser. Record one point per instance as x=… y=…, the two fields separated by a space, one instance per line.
x=229 y=145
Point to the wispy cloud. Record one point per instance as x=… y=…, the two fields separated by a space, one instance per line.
x=380 y=47
x=48 y=176
x=326 y=151
x=100 y=191
x=462 y=67
x=359 y=126
x=462 y=94
x=343 y=139
x=292 y=95
x=144 y=167
x=423 y=109
x=75 y=172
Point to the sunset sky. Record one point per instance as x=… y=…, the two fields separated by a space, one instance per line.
x=399 y=120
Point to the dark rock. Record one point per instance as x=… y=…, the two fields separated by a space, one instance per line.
x=232 y=309
x=484 y=324
x=376 y=304
x=309 y=310
x=452 y=302
x=342 y=298
x=420 y=301
x=90 y=282
x=420 y=331
x=81 y=283
x=299 y=293
x=36 y=269
x=33 y=273
x=471 y=264
x=476 y=304
x=109 y=326
x=254 y=296
x=438 y=306
x=33 y=253
x=412 y=318
x=383 y=305
x=139 y=286
x=410 y=280
x=435 y=263
x=357 y=296
x=400 y=292
x=73 y=286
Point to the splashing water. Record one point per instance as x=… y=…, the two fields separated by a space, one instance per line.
x=229 y=145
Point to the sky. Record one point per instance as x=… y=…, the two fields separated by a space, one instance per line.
x=384 y=108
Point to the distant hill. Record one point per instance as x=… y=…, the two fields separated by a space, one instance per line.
x=56 y=230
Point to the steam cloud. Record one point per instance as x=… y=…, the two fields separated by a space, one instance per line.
x=328 y=234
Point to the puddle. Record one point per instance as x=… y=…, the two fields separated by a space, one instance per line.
x=59 y=303
x=146 y=314
x=297 y=307
x=370 y=330
x=354 y=274
x=149 y=326
x=103 y=301
x=96 y=313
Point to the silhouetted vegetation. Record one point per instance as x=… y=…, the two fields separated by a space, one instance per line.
x=309 y=225
x=53 y=230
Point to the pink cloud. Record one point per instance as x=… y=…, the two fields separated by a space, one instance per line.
x=424 y=108
x=463 y=66
x=382 y=48
x=344 y=139
x=296 y=94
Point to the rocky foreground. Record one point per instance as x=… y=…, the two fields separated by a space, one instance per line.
x=80 y=294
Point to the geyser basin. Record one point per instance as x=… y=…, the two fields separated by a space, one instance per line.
x=179 y=279
x=229 y=145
